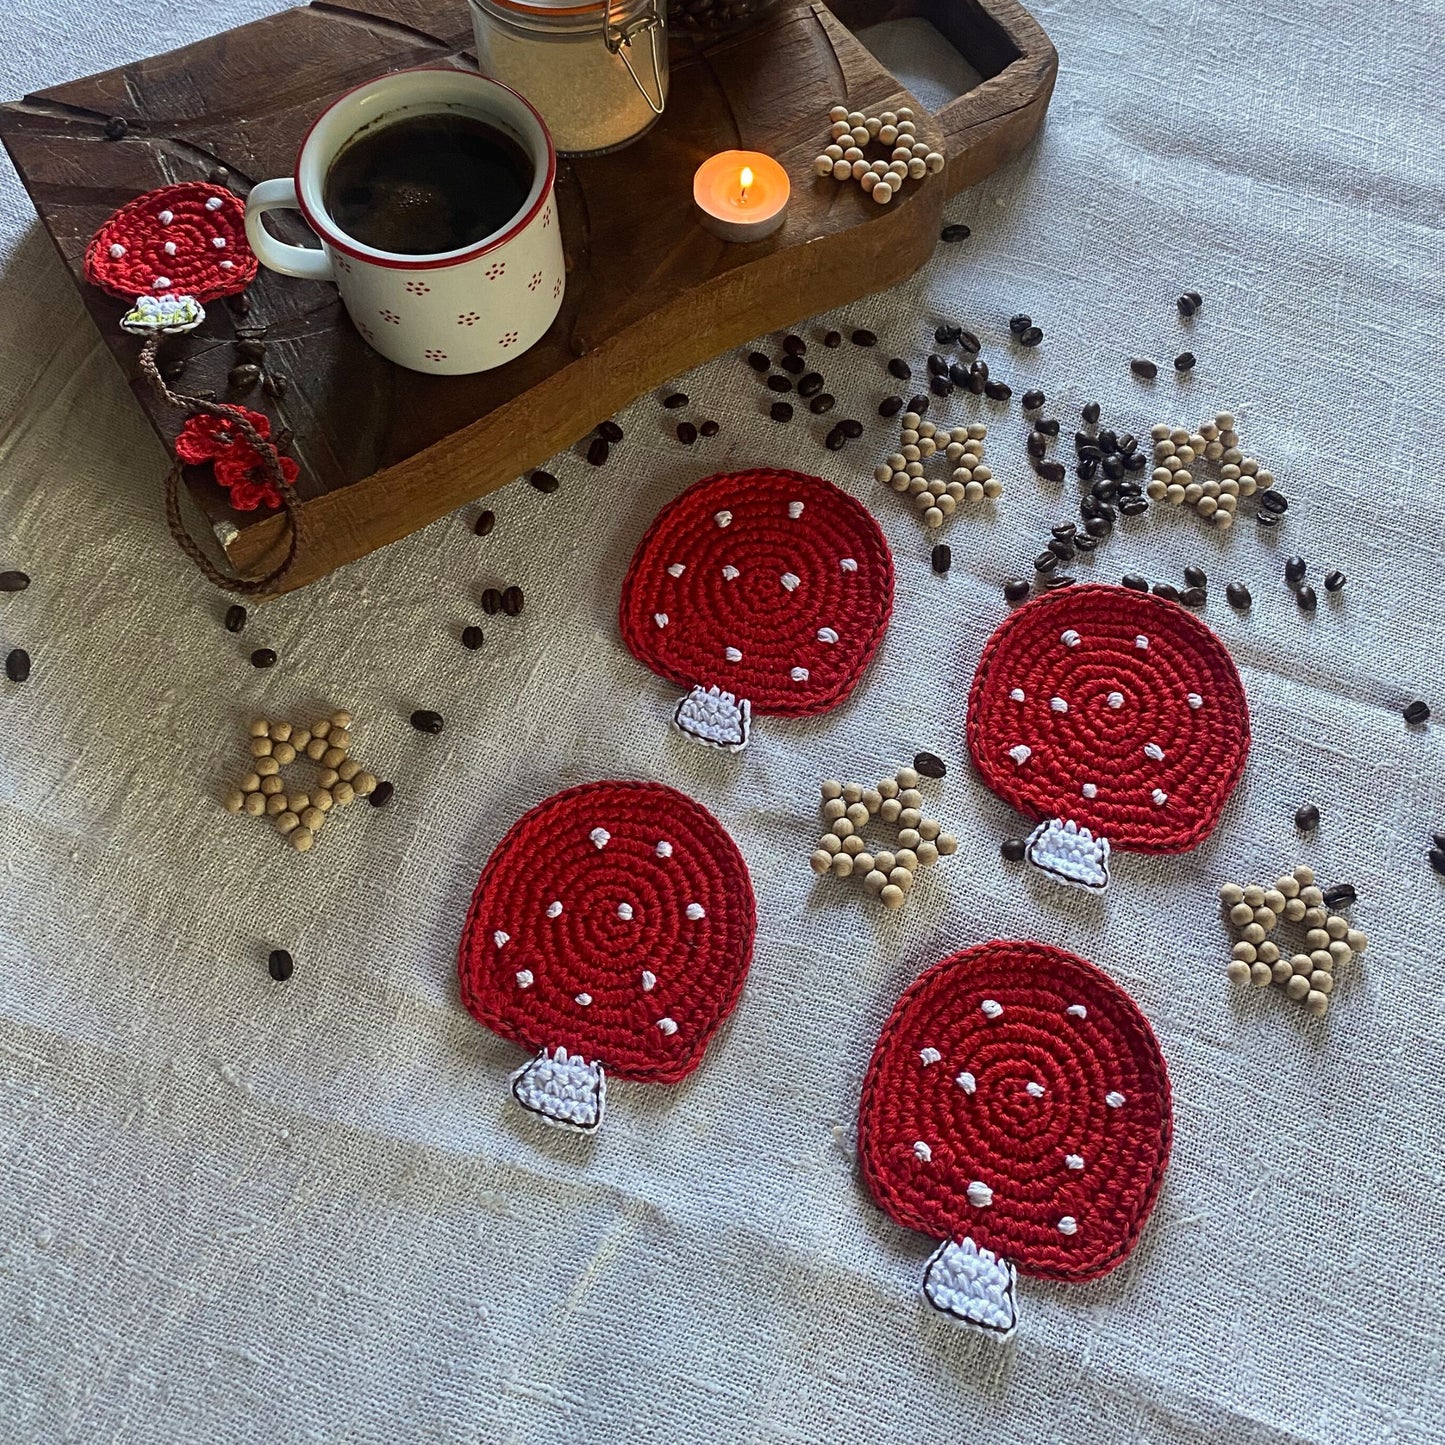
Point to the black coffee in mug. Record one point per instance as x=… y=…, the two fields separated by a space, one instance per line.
x=425 y=184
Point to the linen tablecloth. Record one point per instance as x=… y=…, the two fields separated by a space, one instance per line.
x=233 y=1210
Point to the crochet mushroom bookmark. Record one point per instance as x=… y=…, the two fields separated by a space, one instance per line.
x=611 y=929
x=759 y=592
x=1114 y=717
x=1017 y=1107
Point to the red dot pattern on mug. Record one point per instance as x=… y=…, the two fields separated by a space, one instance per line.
x=1112 y=708
x=1018 y=1097
x=772 y=585
x=184 y=240
x=616 y=920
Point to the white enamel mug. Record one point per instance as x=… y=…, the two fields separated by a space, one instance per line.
x=456 y=312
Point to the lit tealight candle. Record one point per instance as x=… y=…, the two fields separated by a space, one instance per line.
x=741 y=195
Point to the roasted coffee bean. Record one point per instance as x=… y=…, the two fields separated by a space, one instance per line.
x=832 y=339
x=1045 y=562
x=513 y=601
x=947 y=335
x=1185 y=361
x=941 y=386
x=835 y=441
x=173 y=370
x=485 y=522
x=1084 y=445
x=930 y=765
x=997 y=390
x=779 y=384
x=1090 y=412
x=491 y=601
x=708 y=429
x=1049 y=470
x=610 y=430
x=219 y=176
x=919 y=404
x=969 y=342
x=1167 y=591
x=975 y=384
x=239 y=304
x=1307 y=818
x=958 y=375
x=1194 y=597
x=955 y=232
x=1294 y=570
x=1104 y=489
x=1107 y=441
x=1340 y=895
x=13 y=581
x=1274 y=502
x=1417 y=712
x=1268 y=519
x=1020 y=323
x=1143 y=368
x=424 y=720
x=941 y=558
x=1135 y=462
x=1334 y=581
x=275 y=383
x=1133 y=506
x=252 y=349
x=1038 y=446
x=1186 y=306
x=1195 y=577
x=1130 y=489
x=686 y=433
x=263 y=657
x=235 y=618
x=115 y=128
x=824 y=402
x=1064 y=530
x=244 y=376
x=675 y=400
x=544 y=482
x=1127 y=444
x=1113 y=465
x=1085 y=543
x=794 y=345
x=1031 y=337
x=472 y=638
x=17 y=665
x=280 y=965
x=1013 y=850
x=793 y=365
x=937 y=365
x=979 y=369
x=598 y=451
x=781 y=411
x=1134 y=582
x=890 y=406
x=901 y=369
x=1052 y=584
x=1437 y=860
x=851 y=428
x=811 y=384
x=864 y=337
x=759 y=361
x=1239 y=596
x=1196 y=298
x=381 y=794
x=1032 y=400
x=1049 y=428
x=1098 y=527
x=1062 y=548
x=1307 y=598
x=1015 y=589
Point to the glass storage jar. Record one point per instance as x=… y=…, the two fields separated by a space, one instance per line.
x=596 y=72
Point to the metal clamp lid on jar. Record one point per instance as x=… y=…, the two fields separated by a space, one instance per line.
x=617 y=38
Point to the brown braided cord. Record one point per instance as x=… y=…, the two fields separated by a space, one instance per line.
x=244 y=586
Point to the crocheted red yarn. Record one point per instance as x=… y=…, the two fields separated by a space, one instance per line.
x=557 y=892
x=1020 y=1144
x=239 y=467
x=197 y=267
x=1178 y=694
x=779 y=566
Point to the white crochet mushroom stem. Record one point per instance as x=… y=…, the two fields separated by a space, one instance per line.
x=973 y=1286
x=715 y=718
x=1070 y=854
x=563 y=1090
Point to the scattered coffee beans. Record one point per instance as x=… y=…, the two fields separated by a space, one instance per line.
x=675 y=400
x=1294 y=570
x=1143 y=368
x=491 y=601
x=956 y=232
x=263 y=657
x=610 y=430
x=890 y=406
x=997 y=390
x=969 y=342
x=1032 y=400
x=1307 y=818
x=235 y=618
x=686 y=433
x=794 y=345
x=941 y=557
x=13 y=581
x=1052 y=584
x=851 y=428
x=381 y=794
x=1437 y=860
x=544 y=481
x=472 y=638
x=901 y=369
x=824 y=402
x=244 y=376
x=115 y=128
x=947 y=334
x=835 y=441
x=252 y=348
x=598 y=451
x=485 y=522
x=793 y=365
x=1031 y=337
x=811 y=384
x=708 y=429
x=1239 y=596
x=1187 y=305
x=780 y=411
x=1013 y=850
x=275 y=383
x=424 y=720
x=1194 y=597
x=1334 y=581
x=1307 y=598
x=832 y=339
x=1134 y=582
x=1050 y=471
x=864 y=337
x=1016 y=589
x=759 y=362
x=1340 y=895
x=1090 y=412
x=1020 y=323
x=1195 y=577
x=930 y=765
x=280 y=965
x=512 y=601
x=779 y=383
x=1167 y=591
x=17 y=665
x=1417 y=712
x=1274 y=502
x=1185 y=361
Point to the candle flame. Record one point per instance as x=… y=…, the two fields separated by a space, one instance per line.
x=745 y=180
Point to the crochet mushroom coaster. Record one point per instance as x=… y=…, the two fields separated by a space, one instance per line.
x=611 y=931
x=1116 y=718
x=1017 y=1108
x=764 y=591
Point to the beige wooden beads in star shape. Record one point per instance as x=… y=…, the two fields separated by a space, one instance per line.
x=971 y=479
x=298 y=815
x=851 y=132
x=1180 y=453
x=1329 y=940
x=850 y=807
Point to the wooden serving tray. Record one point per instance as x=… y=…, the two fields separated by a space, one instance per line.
x=383 y=450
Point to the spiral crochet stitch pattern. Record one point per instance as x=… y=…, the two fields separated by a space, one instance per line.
x=611 y=928
x=1018 y=1104
x=763 y=591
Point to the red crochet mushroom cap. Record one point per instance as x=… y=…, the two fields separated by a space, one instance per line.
x=205 y=226
x=616 y=920
x=1018 y=1097
x=774 y=586
x=1114 y=709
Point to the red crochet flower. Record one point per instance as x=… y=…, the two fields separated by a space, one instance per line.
x=239 y=467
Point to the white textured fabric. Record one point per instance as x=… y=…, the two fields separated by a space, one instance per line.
x=237 y=1211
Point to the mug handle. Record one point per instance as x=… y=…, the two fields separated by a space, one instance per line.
x=302 y=261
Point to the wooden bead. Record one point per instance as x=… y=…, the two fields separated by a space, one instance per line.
x=332 y=756
x=906 y=858
x=852 y=792
x=830 y=845
x=901 y=878
x=853 y=846
x=929 y=828
x=863 y=863
x=1280 y=970
x=348 y=769
x=1245 y=952
x=1288 y=885
x=1294 y=909
x=260 y=728
x=1241 y=914
x=872 y=799
x=280 y=732
x=927 y=853
x=339 y=738
x=1254 y=895
x=834 y=808
x=842 y=828
x=1336 y=926
x=275 y=805
x=341 y=719
x=316 y=749
x=891 y=895
x=328 y=777
x=1230 y=894
x=910 y=797
x=1259 y=974
x=832 y=788
x=890 y=810
x=283 y=753
x=1317 y=938
x=235 y=800
x=1340 y=951
x=365 y=784
x=1321 y=958
x=299 y=738
x=947 y=844
x=909 y=837
x=320 y=729
x=1300 y=963
x=909 y=818
x=1317 y=1003
x=888 y=788
x=885 y=862
x=266 y=767
x=1324 y=982
x=1238 y=972
x=1269 y=952
x=857 y=815
x=1252 y=933
x=250 y=783
x=843 y=865
x=261 y=747
x=287 y=821
x=1274 y=900
x=313 y=818
x=1298 y=986
x=1304 y=876
x=1357 y=940
x=875 y=882
x=1315 y=917
x=908 y=778
x=270 y=785
x=301 y=839
x=255 y=804
x=298 y=802
x=321 y=798
x=1312 y=896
